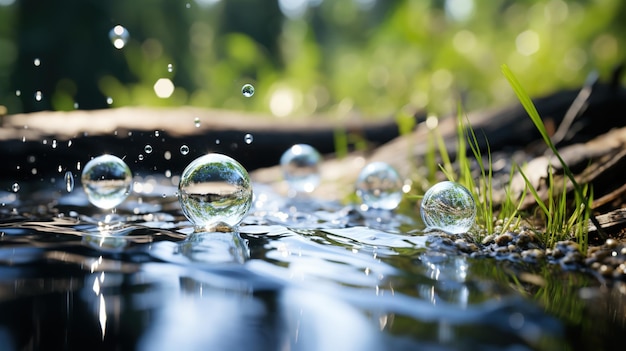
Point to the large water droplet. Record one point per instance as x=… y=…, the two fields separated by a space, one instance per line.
x=448 y=206
x=247 y=90
x=69 y=181
x=379 y=186
x=300 y=166
x=119 y=36
x=215 y=192
x=148 y=149
x=107 y=181
x=184 y=150
x=248 y=139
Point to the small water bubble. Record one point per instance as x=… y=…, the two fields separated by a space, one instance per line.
x=18 y=92
x=217 y=141
x=379 y=186
x=119 y=36
x=69 y=181
x=247 y=90
x=69 y=143
x=24 y=138
x=168 y=173
x=107 y=181
x=15 y=187
x=37 y=62
x=60 y=169
x=188 y=5
x=300 y=166
x=76 y=106
x=448 y=206
x=170 y=67
x=184 y=150
x=215 y=191
x=156 y=133
x=147 y=149
x=196 y=122
x=109 y=100
x=167 y=155
x=38 y=95
x=248 y=138
x=140 y=157
x=54 y=143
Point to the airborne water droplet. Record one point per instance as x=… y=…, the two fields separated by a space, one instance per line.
x=148 y=149
x=448 y=206
x=215 y=191
x=38 y=95
x=247 y=90
x=379 y=186
x=248 y=138
x=109 y=100
x=196 y=122
x=15 y=187
x=18 y=92
x=119 y=36
x=300 y=166
x=107 y=181
x=69 y=181
x=184 y=149
x=37 y=62
x=170 y=67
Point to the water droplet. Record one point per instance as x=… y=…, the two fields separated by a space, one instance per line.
x=184 y=149
x=247 y=90
x=300 y=166
x=54 y=143
x=215 y=191
x=109 y=100
x=167 y=155
x=107 y=181
x=448 y=206
x=196 y=122
x=38 y=95
x=60 y=169
x=248 y=138
x=69 y=181
x=217 y=141
x=188 y=5
x=147 y=149
x=140 y=157
x=119 y=36
x=379 y=186
x=15 y=187
x=18 y=92
x=37 y=62
x=156 y=133
x=76 y=105
x=170 y=67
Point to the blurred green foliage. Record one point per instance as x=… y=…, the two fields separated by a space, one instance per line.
x=336 y=58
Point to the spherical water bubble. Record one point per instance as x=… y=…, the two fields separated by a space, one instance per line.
x=69 y=181
x=107 y=181
x=15 y=187
x=196 y=122
x=148 y=149
x=379 y=186
x=300 y=166
x=247 y=90
x=448 y=206
x=119 y=36
x=18 y=92
x=215 y=192
x=184 y=149
x=38 y=96
x=248 y=138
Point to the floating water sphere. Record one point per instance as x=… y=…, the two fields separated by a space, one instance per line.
x=148 y=149
x=248 y=139
x=449 y=207
x=119 y=36
x=215 y=192
x=247 y=90
x=184 y=149
x=69 y=181
x=379 y=186
x=300 y=166
x=107 y=181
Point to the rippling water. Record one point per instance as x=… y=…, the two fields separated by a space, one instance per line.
x=299 y=274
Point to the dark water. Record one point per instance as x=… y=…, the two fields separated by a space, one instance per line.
x=298 y=275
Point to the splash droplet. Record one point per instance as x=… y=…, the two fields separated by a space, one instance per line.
x=18 y=93
x=215 y=192
x=38 y=95
x=15 y=187
x=379 y=186
x=248 y=139
x=140 y=157
x=37 y=62
x=184 y=150
x=119 y=36
x=170 y=67
x=196 y=122
x=107 y=181
x=300 y=166
x=148 y=149
x=69 y=181
x=448 y=206
x=247 y=90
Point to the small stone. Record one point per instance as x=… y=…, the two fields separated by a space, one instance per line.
x=512 y=247
x=523 y=239
x=488 y=239
x=503 y=239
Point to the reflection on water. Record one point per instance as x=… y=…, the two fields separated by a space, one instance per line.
x=297 y=275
